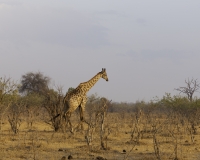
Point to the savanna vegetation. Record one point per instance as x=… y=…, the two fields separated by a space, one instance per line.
x=166 y=128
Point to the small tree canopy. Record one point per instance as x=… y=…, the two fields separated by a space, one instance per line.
x=7 y=87
x=70 y=89
x=34 y=82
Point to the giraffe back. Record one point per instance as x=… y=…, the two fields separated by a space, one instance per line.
x=73 y=99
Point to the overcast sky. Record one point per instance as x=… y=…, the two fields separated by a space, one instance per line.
x=147 y=47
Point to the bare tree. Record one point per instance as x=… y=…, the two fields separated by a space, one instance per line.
x=97 y=109
x=7 y=86
x=8 y=90
x=33 y=109
x=15 y=113
x=54 y=105
x=191 y=87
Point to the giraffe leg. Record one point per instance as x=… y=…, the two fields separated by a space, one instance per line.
x=81 y=120
x=82 y=108
x=81 y=113
x=67 y=121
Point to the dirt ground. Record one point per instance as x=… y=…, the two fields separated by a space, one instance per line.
x=41 y=142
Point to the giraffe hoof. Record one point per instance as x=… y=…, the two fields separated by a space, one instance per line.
x=72 y=130
x=70 y=157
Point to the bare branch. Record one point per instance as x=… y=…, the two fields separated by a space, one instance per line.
x=191 y=87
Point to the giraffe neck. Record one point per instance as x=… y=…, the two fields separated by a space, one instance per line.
x=89 y=84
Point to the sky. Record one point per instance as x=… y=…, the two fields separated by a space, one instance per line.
x=148 y=48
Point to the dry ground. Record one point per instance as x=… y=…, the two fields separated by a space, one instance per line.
x=41 y=142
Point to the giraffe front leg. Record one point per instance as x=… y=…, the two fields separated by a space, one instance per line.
x=67 y=121
x=82 y=111
x=82 y=108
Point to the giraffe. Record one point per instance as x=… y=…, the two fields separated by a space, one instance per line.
x=78 y=97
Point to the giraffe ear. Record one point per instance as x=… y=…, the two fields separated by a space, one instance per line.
x=103 y=69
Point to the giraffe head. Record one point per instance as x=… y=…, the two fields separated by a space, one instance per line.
x=104 y=74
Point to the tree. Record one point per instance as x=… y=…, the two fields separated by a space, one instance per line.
x=34 y=82
x=7 y=86
x=191 y=87
x=70 y=89
x=54 y=105
x=33 y=107
x=15 y=112
x=8 y=94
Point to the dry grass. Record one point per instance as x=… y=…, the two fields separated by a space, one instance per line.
x=43 y=143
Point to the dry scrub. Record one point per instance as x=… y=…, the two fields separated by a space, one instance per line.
x=138 y=135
